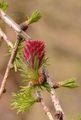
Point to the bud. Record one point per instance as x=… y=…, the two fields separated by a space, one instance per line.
x=69 y=83
x=36 y=15
x=34 y=53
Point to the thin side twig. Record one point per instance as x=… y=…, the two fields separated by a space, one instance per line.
x=9 y=66
x=3 y=36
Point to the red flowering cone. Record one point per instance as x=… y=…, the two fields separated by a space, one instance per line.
x=34 y=53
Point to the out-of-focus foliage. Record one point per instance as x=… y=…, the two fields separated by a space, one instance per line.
x=3 y=5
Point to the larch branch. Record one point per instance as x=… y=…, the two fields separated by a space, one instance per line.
x=22 y=34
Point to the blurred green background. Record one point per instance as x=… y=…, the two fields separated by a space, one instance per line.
x=60 y=28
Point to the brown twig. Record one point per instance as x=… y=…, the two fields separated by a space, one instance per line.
x=59 y=112
x=9 y=66
x=3 y=35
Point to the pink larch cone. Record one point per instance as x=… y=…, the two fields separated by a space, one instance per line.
x=34 y=53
